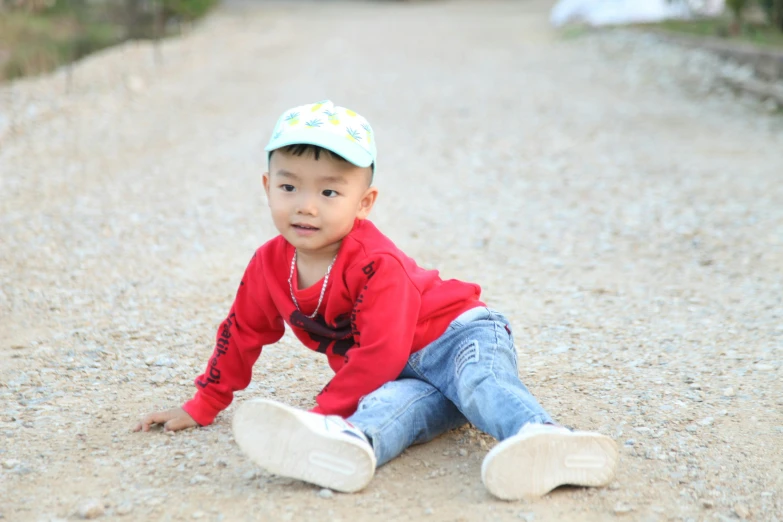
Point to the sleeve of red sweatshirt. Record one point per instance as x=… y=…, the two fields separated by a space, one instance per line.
x=252 y=322
x=384 y=319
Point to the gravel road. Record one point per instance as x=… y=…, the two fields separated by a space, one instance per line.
x=618 y=204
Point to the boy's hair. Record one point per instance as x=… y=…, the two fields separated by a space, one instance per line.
x=300 y=149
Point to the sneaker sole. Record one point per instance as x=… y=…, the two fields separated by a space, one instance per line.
x=531 y=466
x=278 y=439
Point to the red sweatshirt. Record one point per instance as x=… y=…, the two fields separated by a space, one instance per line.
x=379 y=308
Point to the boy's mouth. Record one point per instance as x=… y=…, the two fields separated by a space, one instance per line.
x=303 y=228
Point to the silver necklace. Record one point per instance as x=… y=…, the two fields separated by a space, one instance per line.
x=323 y=287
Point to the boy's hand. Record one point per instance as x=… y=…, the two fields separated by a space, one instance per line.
x=174 y=419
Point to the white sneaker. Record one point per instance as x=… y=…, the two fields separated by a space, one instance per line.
x=322 y=450
x=542 y=457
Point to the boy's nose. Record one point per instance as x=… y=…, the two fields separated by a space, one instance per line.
x=307 y=206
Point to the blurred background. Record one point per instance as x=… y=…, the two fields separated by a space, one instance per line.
x=37 y=36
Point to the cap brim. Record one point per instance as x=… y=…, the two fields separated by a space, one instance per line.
x=344 y=147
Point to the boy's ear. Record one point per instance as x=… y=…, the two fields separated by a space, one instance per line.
x=366 y=203
x=265 y=181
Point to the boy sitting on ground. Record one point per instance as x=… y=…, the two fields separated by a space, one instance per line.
x=414 y=355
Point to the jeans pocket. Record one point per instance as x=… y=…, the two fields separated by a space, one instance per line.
x=506 y=339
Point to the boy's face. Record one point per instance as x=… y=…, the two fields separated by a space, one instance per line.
x=314 y=202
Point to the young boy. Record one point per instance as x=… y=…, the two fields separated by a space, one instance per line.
x=414 y=355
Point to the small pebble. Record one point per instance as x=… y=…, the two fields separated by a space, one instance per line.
x=622 y=508
x=197 y=514
x=160 y=377
x=463 y=452
x=326 y=493
x=707 y=503
x=728 y=392
x=90 y=509
x=124 y=508
x=135 y=84
x=198 y=479
x=742 y=511
x=165 y=360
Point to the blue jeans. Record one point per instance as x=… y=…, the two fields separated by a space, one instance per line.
x=468 y=374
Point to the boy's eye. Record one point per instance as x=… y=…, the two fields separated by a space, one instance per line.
x=329 y=193
x=287 y=188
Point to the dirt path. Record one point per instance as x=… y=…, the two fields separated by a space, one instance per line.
x=624 y=215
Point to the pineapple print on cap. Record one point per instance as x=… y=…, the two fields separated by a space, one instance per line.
x=353 y=134
x=334 y=119
x=367 y=128
x=292 y=118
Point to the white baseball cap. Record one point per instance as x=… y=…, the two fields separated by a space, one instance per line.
x=326 y=125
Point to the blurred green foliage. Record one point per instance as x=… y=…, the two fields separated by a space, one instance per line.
x=762 y=35
x=37 y=36
x=755 y=21
x=774 y=10
x=187 y=9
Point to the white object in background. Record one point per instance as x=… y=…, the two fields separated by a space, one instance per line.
x=707 y=7
x=618 y=12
